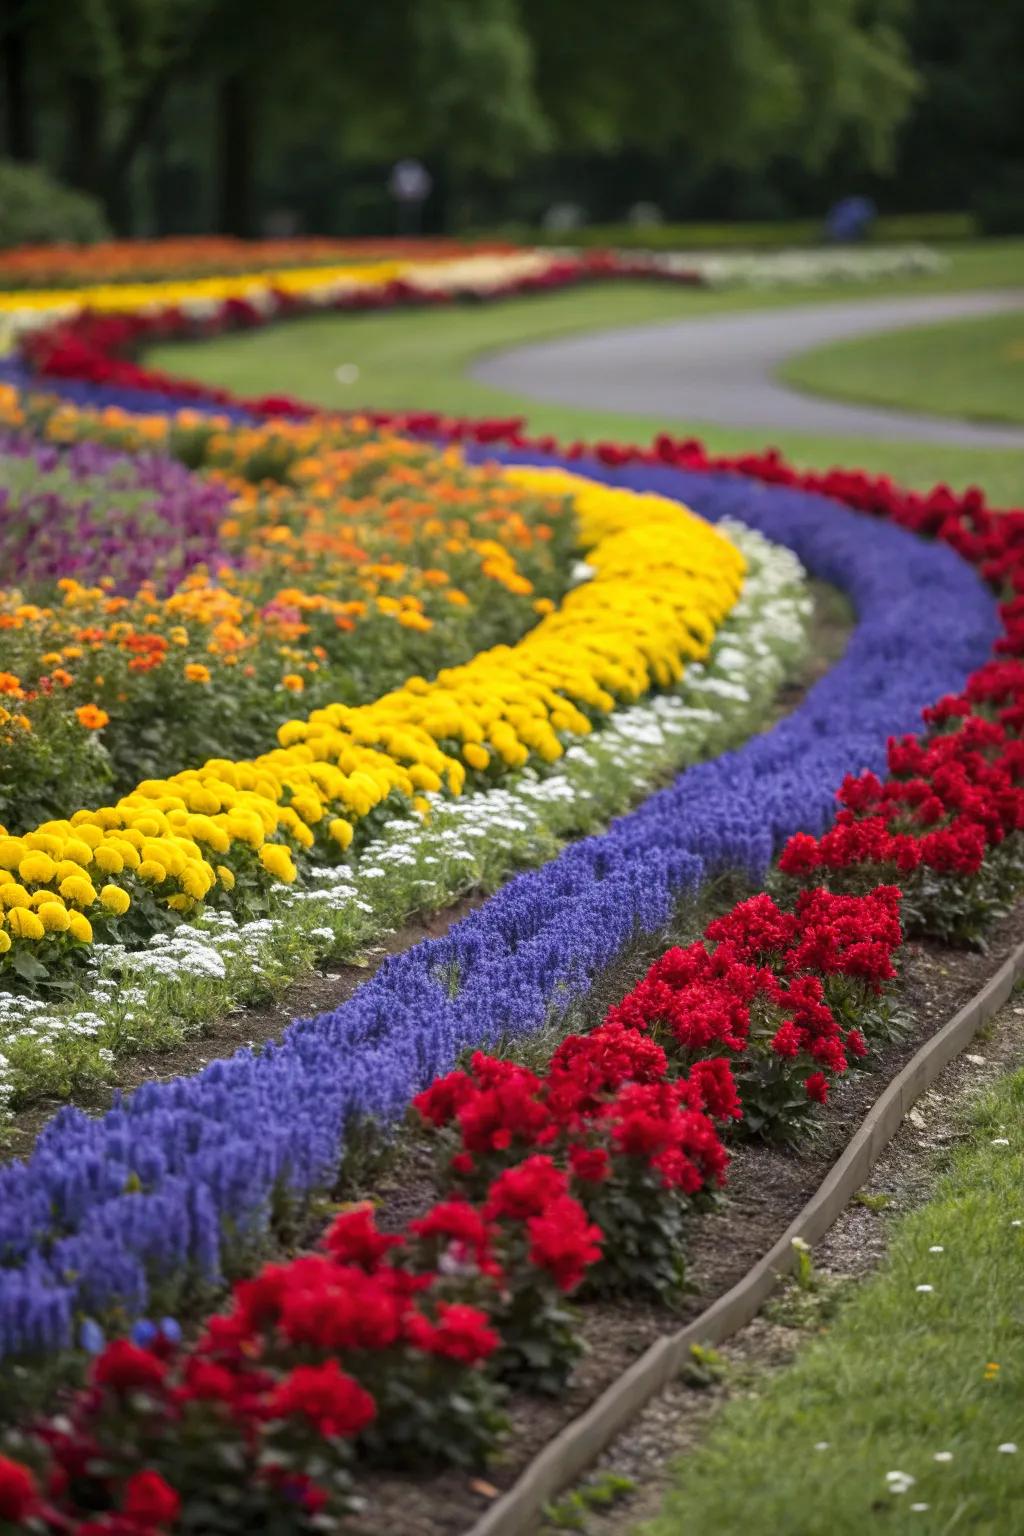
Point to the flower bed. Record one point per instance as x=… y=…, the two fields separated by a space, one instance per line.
x=202 y=970
x=526 y=954
x=583 y=1173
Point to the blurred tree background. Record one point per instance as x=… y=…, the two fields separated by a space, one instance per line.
x=284 y=116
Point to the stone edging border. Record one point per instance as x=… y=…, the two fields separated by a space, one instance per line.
x=580 y=1442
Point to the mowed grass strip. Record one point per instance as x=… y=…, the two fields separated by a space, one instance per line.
x=921 y=1374
x=963 y=368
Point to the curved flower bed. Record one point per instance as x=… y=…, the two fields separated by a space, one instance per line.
x=530 y=951
x=662 y=581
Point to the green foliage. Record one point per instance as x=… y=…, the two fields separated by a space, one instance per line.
x=601 y=1492
x=35 y=209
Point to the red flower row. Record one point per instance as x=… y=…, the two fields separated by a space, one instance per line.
x=579 y=1178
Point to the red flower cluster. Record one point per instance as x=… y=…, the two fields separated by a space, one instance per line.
x=950 y=798
x=762 y=994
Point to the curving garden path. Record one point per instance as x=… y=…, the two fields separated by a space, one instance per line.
x=721 y=369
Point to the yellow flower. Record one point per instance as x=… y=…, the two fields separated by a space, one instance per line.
x=195 y=672
x=115 y=899
x=79 y=889
x=80 y=927
x=226 y=877
x=37 y=869
x=476 y=756
x=342 y=831
x=12 y=851
x=54 y=917
x=5 y=942
x=278 y=861
x=152 y=872
x=25 y=924
x=108 y=860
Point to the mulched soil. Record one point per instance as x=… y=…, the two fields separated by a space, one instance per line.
x=767 y=1187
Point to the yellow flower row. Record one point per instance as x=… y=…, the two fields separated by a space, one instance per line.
x=661 y=581
x=311 y=282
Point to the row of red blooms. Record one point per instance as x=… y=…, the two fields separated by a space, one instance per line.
x=577 y=1179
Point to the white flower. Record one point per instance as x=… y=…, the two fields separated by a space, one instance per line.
x=919 y=1509
x=1000 y=1141
x=924 y=1289
x=943 y=1456
x=936 y=1248
x=899 y=1482
x=1007 y=1448
x=822 y=1445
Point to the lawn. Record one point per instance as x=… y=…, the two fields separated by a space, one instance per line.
x=919 y=1374
x=972 y=368
x=418 y=360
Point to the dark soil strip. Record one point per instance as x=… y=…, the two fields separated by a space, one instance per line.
x=767 y=1188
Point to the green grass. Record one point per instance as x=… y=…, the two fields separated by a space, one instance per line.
x=418 y=360
x=899 y=1377
x=972 y=368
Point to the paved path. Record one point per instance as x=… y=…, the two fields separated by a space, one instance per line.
x=720 y=369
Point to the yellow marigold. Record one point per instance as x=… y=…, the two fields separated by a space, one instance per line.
x=226 y=877
x=194 y=881
x=80 y=927
x=92 y=717
x=25 y=924
x=152 y=872
x=195 y=672
x=79 y=889
x=12 y=851
x=108 y=860
x=5 y=941
x=342 y=831
x=276 y=859
x=37 y=869
x=476 y=756
x=180 y=903
x=423 y=807
x=54 y=917
x=14 y=895
x=115 y=899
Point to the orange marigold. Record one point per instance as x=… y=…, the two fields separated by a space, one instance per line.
x=92 y=717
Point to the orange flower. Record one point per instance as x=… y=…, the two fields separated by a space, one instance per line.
x=11 y=684
x=195 y=672
x=92 y=717
x=293 y=682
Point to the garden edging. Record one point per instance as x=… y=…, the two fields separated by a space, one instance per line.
x=581 y=1441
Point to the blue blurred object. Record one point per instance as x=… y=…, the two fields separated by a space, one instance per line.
x=850 y=218
x=91 y=1337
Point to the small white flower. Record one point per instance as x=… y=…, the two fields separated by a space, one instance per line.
x=919 y=1509
x=924 y=1289
x=899 y=1482
x=1007 y=1448
x=943 y=1456
x=1000 y=1141
x=822 y=1445
x=1017 y=1223
x=936 y=1248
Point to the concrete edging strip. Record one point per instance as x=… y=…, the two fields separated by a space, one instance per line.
x=576 y=1446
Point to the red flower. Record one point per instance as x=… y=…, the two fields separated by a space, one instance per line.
x=563 y=1242
x=329 y=1400
x=525 y=1190
x=461 y=1333
x=590 y=1164
x=353 y=1239
x=150 y=1500
x=126 y=1368
x=18 y=1494
x=817 y=1087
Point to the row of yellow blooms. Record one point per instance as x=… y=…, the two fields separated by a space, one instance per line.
x=662 y=581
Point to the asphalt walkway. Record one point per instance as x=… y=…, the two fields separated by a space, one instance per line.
x=720 y=369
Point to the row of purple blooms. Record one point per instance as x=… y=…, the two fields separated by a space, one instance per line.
x=89 y=512
x=165 y=1192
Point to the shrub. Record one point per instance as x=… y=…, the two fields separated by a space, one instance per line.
x=37 y=210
